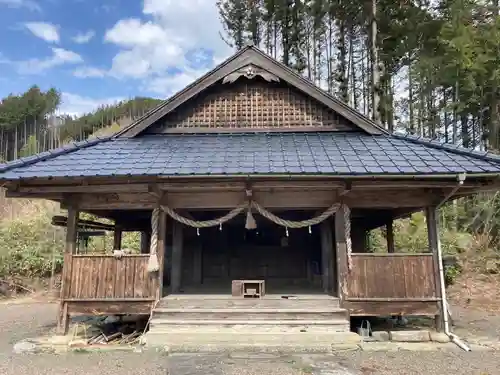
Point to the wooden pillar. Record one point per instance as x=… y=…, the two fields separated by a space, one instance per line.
x=390 y=235
x=117 y=238
x=176 y=272
x=145 y=241
x=327 y=256
x=433 y=237
x=70 y=249
x=160 y=250
x=341 y=252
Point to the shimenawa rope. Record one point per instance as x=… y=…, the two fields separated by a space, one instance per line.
x=153 y=264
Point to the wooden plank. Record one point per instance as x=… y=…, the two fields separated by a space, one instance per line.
x=388 y=299
x=141 y=279
x=399 y=277
x=120 y=278
x=66 y=280
x=390 y=256
x=78 y=265
x=385 y=308
x=129 y=280
x=96 y=276
x=109 y=308
x=111 y=274
x=102 y=286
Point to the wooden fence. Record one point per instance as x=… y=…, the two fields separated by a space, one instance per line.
x=395 y=276
x=95 y=278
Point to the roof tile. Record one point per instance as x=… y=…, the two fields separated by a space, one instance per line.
x=257 y=153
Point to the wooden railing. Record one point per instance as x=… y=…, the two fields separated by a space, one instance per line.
x=104 y=277
x=395 y=276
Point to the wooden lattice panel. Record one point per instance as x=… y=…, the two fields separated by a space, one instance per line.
x=254 y=105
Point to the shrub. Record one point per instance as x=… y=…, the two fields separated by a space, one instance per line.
x=30 y=247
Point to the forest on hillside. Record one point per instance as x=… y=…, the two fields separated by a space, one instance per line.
x=30 y=123
x=424 y=67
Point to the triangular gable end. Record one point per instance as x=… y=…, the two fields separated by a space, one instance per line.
x=251 y=65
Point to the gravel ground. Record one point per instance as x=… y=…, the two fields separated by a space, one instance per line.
x=24 y=320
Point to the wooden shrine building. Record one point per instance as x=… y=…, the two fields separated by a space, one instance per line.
x=252 y=173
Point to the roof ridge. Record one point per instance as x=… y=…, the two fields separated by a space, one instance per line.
x=50 y=154
x=456 y=149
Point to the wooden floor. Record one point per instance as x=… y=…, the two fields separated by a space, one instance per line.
x=273 y=287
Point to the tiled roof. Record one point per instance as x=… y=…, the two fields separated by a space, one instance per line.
x=253 y=153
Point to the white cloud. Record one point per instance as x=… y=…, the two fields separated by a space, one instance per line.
x=89 y=72
x=28 y=4
x=170 y=84
x=76 y=105
x=43 y=30
x=82 y=38
x=170 y=40
x=148 y=48
x=60 y=56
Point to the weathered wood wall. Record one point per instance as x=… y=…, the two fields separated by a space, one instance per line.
x=391 y=284
x=252 y=104
x=396 y=276
x=104 y=277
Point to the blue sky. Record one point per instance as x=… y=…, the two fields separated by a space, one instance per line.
x=102 y=51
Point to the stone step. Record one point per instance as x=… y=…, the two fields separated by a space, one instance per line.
x=248 y=326
x=261 y=341
x=250 y=313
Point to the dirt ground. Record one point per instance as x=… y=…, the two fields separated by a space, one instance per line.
x=30 y=318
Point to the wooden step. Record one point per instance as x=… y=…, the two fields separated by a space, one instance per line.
x=246 y=322
x=250 y=313
x=251 y=327
x=269 y=302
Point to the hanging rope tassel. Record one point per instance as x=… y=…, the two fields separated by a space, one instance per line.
x=153 y=264
x=250 y=221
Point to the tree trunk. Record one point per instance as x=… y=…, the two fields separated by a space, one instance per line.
x=375 y=66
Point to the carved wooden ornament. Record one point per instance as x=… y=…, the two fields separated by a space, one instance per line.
x=250 y=71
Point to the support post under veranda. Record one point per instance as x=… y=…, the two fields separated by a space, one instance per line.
x=70 y=249
x=433 y=233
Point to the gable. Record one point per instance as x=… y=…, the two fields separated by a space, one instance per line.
x=249 y=63
x=253 y=104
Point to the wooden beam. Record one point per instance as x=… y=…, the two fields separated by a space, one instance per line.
x=327 y=250
x=145 y=241
x=231 y=184
x=341 y=254
x=162 y=234
x=70 y=249
x=63 y=222
x=433 y=233
x=117 y=238
x=176 y=271
x=275 y=199
x=390 y=236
